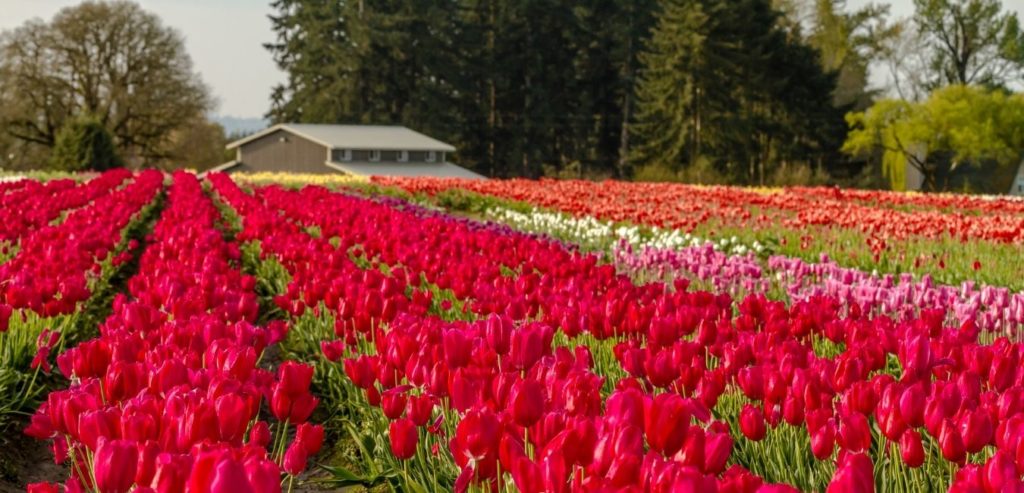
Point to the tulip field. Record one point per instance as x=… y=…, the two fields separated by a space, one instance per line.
x=182 y=333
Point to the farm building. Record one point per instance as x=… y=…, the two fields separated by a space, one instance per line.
x=362 y=150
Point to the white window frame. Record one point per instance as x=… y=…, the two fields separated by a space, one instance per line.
x=431 y=156
x=403 y=156
x=346 y=155
x=375 y=156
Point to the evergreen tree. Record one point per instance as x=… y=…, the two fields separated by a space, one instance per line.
x=84 y=143
x=724 y=80
x=670 y=86
x=525 y=87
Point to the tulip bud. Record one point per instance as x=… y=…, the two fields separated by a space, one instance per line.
x=392 y=402
x=310 y=436
x=295 y=458
x=823 y=441
x=717 y=448
x=912 y=404
x=260 y=434
x=527 y=402
x=115 y=465
x=911 y=448
x=403 y=437
x=420 y=409
x=951 y=443
x=752 y=423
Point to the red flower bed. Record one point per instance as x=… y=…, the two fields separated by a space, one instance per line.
x=685 y=206
x=50 y=273
x=167 y=398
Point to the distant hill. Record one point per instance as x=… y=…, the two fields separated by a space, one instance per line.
x=234 y=126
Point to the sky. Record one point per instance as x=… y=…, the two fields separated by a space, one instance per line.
x=225 y=40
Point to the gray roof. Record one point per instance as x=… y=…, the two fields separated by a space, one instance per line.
x=369 y=137
x=437 y=170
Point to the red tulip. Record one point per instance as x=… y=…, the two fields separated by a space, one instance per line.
x=855 y=474
x=527 y=345
x=977 y=430
x=333 y=350
x=420 y=409
x=5 y=316
x=854 y=432
x=172 y=473
x=951 y=443
x=295 y=458
x=911 y=448
x=717 y=448
x=115 y=464
x=752 y=423
x=912 y=404
x=526 y=401
x=498 y=330
x=217 y=472
x=263 y=475
x=260 y=434
x=43 y=488
x=392 y=402
x=457 y=348
x=666 y=423
x=294 y=378
x=823 y=441
x=232 y=417
x=403 y=437
x=310 y=436
x=527 y=475
x=999 y=471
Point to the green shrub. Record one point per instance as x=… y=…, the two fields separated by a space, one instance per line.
x=84 y=143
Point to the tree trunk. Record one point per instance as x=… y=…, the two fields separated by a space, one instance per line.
x=492 y=89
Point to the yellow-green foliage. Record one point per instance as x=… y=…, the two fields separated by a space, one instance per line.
x=970 y=124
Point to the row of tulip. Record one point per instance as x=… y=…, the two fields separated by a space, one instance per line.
x=734 y=268
x=592 y=233
x=168 y=397
x=13 y=183
x=947 y=202
x=36 y=204
x=802 y=367
x=27 y=336
x=682 y=206
x=50 y=274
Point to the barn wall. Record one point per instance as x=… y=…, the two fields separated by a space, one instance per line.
x=296 y=155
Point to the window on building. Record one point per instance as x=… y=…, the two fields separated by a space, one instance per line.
x=431 y=156
x=403 y=156
x=346 y=155
x=374 y=155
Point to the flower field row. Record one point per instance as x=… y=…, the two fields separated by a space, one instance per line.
x=35 y=204
x=50 y=273
x=167 y=398
x=686 y=206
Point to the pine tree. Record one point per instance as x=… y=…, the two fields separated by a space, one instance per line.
x=84 y=144
x=668 y=92
x=724 y=80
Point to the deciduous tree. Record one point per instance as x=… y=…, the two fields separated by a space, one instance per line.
x=957 y=126
x=110 y=59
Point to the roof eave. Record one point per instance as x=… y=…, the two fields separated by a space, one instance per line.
x=280 y=126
